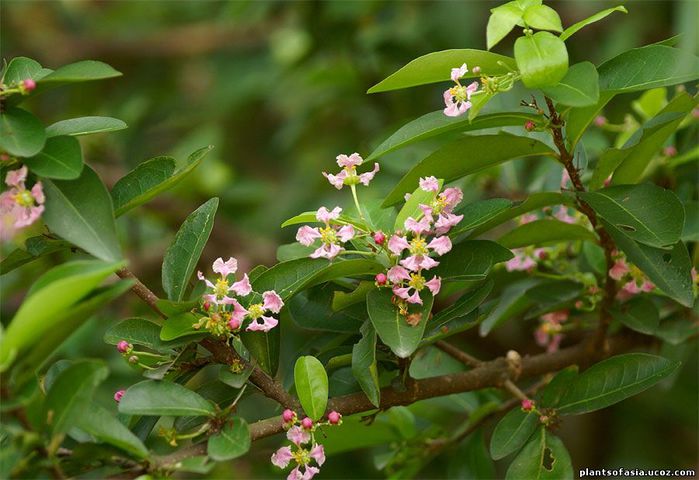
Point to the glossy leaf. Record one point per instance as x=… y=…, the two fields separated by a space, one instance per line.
x=392 y=327
x=478 y=213
x=542 y=59
x=20 y=68
x=311 y=382
x=543 y=232
x=139 y=331
x=501 y=22
x=99 y=422
x=550 y=396
x=231 y=442
x=512 y=432
x=364 y=366
x=613 y=380
x=646 y=213
x=85 y=126
x=436 y=67
x=235 y=380
x=542 y=17
x=179 y=326
x=512 y=302
x=544 y=457
x=83 y=71
x=639 y=314
x=61 y=158
x=579 y=88
x=465 y=156
x=21 y=133
x=591 y=19
x=152 y=397
x=183 y=254
x=81 y=212
x=579 y=119
x=464 y=305
x=471 y=260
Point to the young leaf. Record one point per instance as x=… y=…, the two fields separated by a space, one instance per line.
x=364 y=364
x=99 y=422
x=540 y=232
x=501 y=22
x=639 y=314
x=61 y=158
x=542 y=17
x=579 y=88
x=512 y=432
x=85 y=126
x=544 y=457
x=542 y=59
x=411 y=208
x=71 y=394
x=392 y=327
x=183 y=253
x=152 y=397
x=436 y=67
x=646 y=213
x=81 y=212
x=231 y=442
x=589 y=20
x=466 y=156
x=613 y=380
x=21 y=133
x=311 y=383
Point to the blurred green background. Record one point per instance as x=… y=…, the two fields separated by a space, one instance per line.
x=279 y=89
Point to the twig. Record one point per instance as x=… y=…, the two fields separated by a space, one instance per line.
x=143 y=292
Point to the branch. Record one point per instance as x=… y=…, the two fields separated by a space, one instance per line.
x=143 y=292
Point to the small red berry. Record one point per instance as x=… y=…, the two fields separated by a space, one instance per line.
x=381 y=279
x=527 y=405
x=307 y=423
x=124 y=347
x=118 y=394
x=379 y=237
x=529 y=125
x=334 y=417
x=288 y=415
x=29 y=84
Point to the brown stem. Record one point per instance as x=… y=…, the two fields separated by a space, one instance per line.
x=143 y=292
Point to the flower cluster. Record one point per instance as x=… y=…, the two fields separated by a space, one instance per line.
x=457 y=99
x=23 y=87
x=19 y=206
x=225 y=314
x=548 y=334
x=633 y=280
x=348 y=175
x=331 y=236
x=303 y=451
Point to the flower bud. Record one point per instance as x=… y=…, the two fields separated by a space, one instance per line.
x=234 y=323
x=334 y=418
x=600 y=120
x=307 y=423
x=579 y=304
x=288 y=415
x=670 y=151
x=476 y=70
x=529 y=125
x=381 y=278
x=133 y=359
x=118 y=394
x=28 y=84
x=206 y=306
x=379 y=237
x=124 y=347
x=527 y=405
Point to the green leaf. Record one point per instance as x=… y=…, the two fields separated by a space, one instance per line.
x=264 y=348
x=99 y=422
x=61 y=158
x=81 y=212
x=464 y=305
x=544 y=232
x=542 y=59
x=512 y=432
x=630 y=71
x=311 y=383
x=82 y=71
x=579 y=88
x=471 y=260
x=411 y=208
x=646 y=213
x=53 y=293
x=690 y=232
x=669 y=270
x=21 y=133
x=235 y=380
x=310 y=217
x=364 y=366
x=639 y=314
x=85 y=126
x=152 y=397
x=36 y=247
x=183 y=254
x=151 y=178
x=578 y=119
x=542 y=17
x=312 y=309
x=613 y=380
x=512 y=302
x=501 y=22
x=140 y=331
x=544 y=457
x=20 y=68
x=473 y=461
x=477 y=213
x=71 y=393
x=466 y=156
x=436 y=123
x=436 y=67
x=392 y=327
x=589 y=20
x=552 y=393
x=179 y=326
x=231 y=442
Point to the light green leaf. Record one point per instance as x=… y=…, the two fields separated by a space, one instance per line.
x=466 y=156
x=99 y=422
x=542 y=17
x=501 y=22
x=179 y=326
x=81 y=212
x=82 y=71
x=21 y=133
x=542 y=59
x=544 y=232
x=512 y=432
x=646 y=213
x=436 y=67
x=591 y=19
x=364 y=364
x=471 y=260
x=61 y=158
x=544 y=457
x=311 y=383
x=85 y=126
x=235 y=380
x=411 y=208
x=579 y=88
x=310 y=217
x=639 y=314
x=231 y=442
x=183 y=254
x=36 y=247
x=614 y=380
x=392 y=327
x=152 y=397
x=20 y=68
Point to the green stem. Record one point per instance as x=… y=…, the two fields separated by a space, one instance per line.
x=356 y=201
x=358 y=252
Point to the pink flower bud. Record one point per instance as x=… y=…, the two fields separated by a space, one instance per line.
x=307 y=423
x=118 y=394
x=288 y=415
x=381 y=278
x=527 y=405
x=579 y=304
x=4 y=157
x=379 y=237
x=670 y=151
x=334 y=417
x=529 y=126
x=29 y=84
x=600 y=120
x=234 y=323
x=206 y=306
x=124 y=347
x=476 y=70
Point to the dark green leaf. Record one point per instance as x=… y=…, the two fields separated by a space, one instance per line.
x=99 y=422
x=543 y=458
x=139 y=331
x=542 y=59
x=512 y=432
x=579 y=88
x=85 y=126
x=364 y=364
x=578 y=119
x=183 y=254
x=152 y=397
x=550 y=396
x=21 y=133
x=591 y=19
x=312 y=309
x=464 y=305
x=512 y=302
x=472 y=461
x=477 y=213
x=264 y=347
x=471 y=260
x=543 y=232
x=20 y=68
x=61 y=158
x=311 y=383
x=553 y=295
x=82 y=71
x=231 y=442
x=235 y=380
x=639 y=314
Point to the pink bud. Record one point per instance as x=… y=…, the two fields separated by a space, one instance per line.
x=118 y=394
x=600 y=120
x=206 y=306
x=381 y=278
x=29 y=84
x=527 y=405
x=379 y=237
x=579 y=304
x=695 y=112
x=543 y=254
x=529 y=125
x=288 y=415
x=476 y=70
x=4 y=157
x=670 y=151
x=124 y=347
x=334 y=417
x=234 y=323
x=307 y=423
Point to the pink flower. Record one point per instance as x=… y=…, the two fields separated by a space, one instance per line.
x=307 y=235
x=272 y=301
x=28 y=84
x=350 y=161
x=452 y=108
x=429 y=184
x=457 y=73
x=242 y=287
x=404 y=293
x=670 y=151
x=619 y=270
x=562 y=215
x=600 y=120
x=647 y=286
x=337 y=181
x=418 y=226
x=307 y=423
x=417 y=262
x=348 y=175
x=397 y=244
x=326 y=216
x=441 y=245
x=318 y=454
x=308 y=473
x=327 y=250
x=398 y=274
x=19 y=207
x=234 y=323
x=565 y=179
x=330 y=235
x=298 y=435
x=445 y=222
x=379 y=237
x=282 y=457
x=527 y=218
x=268 y=323
x=434 y=284
x=555 y=317
x=225 y=268
x=521 y=261
x=366 y=177
x=118 y=395
x=527 y=405
x=381 y=278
